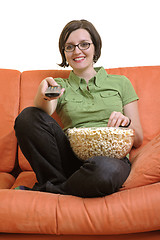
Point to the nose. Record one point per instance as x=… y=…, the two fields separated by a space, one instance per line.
x=77 y=50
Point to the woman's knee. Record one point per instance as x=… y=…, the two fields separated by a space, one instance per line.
x=109 y=174
x=23 y=118
x=27 y=120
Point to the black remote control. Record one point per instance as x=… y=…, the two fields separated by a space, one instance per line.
x=53 y=91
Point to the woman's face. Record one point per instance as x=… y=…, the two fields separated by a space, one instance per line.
x=80 y=60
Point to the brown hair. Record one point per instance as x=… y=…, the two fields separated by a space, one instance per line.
x=79 y=24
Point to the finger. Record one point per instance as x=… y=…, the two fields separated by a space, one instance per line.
x=119 y=122
x=62 y=91
x=125 y=122
x=111 y=118
x=112 y=122
x=51 y=81
x=117 y=119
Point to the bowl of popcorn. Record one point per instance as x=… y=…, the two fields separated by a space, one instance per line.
x=102 y=141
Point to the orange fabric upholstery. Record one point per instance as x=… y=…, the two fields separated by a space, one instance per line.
x=6 y=180
x=26 y=178
x=45 y=213
x=145 y=166
x=9 y=107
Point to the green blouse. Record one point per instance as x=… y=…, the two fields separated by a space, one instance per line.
x=91 y=105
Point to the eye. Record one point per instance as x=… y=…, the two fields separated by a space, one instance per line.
x=69 y=47
x=84 y=45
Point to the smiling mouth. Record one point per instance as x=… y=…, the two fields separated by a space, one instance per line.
x=78 y=59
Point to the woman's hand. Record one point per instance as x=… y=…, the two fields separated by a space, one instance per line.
x=118 y=119
x=49 y=81
x=50 y=105
x=130 y=113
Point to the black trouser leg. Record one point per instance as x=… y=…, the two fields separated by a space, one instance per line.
x=98 y=177
x=45 y=146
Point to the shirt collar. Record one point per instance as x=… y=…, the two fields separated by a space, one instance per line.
x=75 y=81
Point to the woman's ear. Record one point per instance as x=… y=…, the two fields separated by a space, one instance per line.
x=95 y=58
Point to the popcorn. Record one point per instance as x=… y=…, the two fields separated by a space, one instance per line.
x=101 y=141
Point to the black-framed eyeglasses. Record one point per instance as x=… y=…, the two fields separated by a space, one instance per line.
x=81 y=46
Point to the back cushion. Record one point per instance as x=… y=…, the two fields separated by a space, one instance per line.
x=30 y=81
x=9 y=107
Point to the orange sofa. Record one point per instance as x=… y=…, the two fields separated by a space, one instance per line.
x=131 y=213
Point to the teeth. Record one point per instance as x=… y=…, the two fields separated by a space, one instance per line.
x=78 y=59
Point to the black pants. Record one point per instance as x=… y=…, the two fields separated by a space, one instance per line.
x=58 y=170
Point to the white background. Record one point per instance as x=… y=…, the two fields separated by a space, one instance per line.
x=30 y=29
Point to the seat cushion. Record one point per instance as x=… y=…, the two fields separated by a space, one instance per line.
x=145 y=166
x=45 y=213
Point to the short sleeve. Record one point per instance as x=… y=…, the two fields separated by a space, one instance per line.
x=129 y=94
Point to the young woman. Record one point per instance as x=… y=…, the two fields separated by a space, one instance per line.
x=89 y=98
